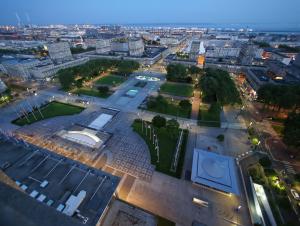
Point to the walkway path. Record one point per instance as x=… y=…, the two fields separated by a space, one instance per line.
x=195 y=105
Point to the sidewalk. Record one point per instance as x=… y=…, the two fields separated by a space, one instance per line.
x=195 y=105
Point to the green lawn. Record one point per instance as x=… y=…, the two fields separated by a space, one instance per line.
x=170 y=108
x=50 y=110
x=177 y=89
x=111 y=80
x=91 y=92
x=209 y=116
x=167 y=147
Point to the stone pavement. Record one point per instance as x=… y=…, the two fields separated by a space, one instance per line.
x=171 y=198
x=195 y=105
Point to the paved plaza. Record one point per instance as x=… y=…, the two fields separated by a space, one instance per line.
x=125 y=154
x=130 y=154
x=172 y=198
x=122 y=214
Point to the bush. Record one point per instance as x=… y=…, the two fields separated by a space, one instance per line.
x=256 y=175
x=251 y=131
x=185 y=104
x=151 y=104
x=265 y=162
x=220 y=137
x=159 y=121
x=270 y=172
x=103 y=89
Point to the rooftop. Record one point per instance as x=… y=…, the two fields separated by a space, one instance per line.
x=31 y=166
x=215 y=171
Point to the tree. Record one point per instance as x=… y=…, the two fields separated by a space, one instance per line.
x=280 y=96
x=66 y=79
x=79 y=82
x=217 y=85
x=126 y=67
x=151 y=104
x=185 y=104
x=220 y=137
x=265 y=162
x=103 y=89
x=194 y=70
x=158 y=121
x=291 y=132
x=176 y=72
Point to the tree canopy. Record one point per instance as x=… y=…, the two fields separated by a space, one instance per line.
x=217 y=86
x=159 y=121
x=280 y=96
x=176 y=72
x=93 y=68
x=185 y=104
x=182 y=73
x=291 y=132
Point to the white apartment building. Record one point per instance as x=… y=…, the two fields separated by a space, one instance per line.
x=103 y=46
x=59 y=51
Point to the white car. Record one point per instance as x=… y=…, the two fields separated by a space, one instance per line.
x=295 y=194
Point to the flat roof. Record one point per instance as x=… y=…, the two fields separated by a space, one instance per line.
x=32 y=165
x=17 y=208
x=215 y=171
x=100 y=121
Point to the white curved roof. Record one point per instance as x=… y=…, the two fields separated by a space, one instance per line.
x=83 y=137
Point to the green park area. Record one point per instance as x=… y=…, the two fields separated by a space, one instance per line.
x=167 y=135
x=168 y=106
x=209 y=115
x=111 y=80
x=217 y=90
x=49 y=110
x=177 y=89
x=80 y=79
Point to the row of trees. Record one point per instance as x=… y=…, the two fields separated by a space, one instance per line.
x=76 y=50
x=291 y=132
x=217 y=86
x=277 y=97
x=75 y=76
x=160 y=103
x=181 y=73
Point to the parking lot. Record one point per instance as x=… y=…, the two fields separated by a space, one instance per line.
x=31 y=167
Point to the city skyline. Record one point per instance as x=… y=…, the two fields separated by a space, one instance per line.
x=229 y=13
x=150 y=113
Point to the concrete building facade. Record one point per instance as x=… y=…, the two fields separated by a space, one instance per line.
x=103 y=46
x=59 y=51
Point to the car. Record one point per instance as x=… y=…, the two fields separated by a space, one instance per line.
x=295 y=194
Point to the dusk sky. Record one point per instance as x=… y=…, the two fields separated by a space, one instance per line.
x=280 y=12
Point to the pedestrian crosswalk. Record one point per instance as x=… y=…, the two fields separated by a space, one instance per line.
x=289 y=168
x=243 y=155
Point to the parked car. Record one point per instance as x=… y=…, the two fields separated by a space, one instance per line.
x=295 y=194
